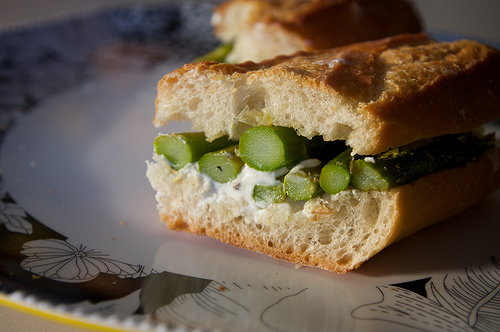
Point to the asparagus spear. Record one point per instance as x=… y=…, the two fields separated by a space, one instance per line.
x=223 y=165
x=268 y=148
x=396 y=167
x=335 y=175
x=366 y=175
x=218 y=54
x=184 y=148
x=265 y=195
x=302 y=182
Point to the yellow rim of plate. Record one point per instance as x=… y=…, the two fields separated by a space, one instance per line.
x=56 y=316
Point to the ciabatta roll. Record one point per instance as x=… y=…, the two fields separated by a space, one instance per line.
x=381 y=98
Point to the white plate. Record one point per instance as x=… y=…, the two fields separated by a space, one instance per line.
x=79 y=231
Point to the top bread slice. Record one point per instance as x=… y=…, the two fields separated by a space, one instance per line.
x=261 y=29
x=374 y=95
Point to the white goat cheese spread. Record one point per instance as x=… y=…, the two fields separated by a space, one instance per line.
x=242 y=189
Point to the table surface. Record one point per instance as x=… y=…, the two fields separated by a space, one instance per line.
x=477 y=19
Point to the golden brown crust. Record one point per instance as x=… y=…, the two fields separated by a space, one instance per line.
x=322 y=24
x=399 y=89
x=451 y=92
x=420 y=204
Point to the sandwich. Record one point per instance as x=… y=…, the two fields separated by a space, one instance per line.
x=260 y=29
x=325 y=158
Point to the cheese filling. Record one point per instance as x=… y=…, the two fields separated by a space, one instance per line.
x=241 y=189
x=291 y=188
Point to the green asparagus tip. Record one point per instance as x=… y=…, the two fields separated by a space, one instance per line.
x=218 y=54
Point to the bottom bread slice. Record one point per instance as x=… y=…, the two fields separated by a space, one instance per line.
x=333 y=232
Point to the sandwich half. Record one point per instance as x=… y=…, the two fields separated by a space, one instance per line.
x=325 y=158
x=261 y=29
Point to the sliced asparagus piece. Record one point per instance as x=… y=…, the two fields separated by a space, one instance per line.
x=265 y=195
x=366 y=175
x=181 y=149
x=396 y=167
x=302 y=182
x=223 y=165
x=268 y=148
x=335 y=175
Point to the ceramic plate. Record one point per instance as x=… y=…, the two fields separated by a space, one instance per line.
x=79 y=231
